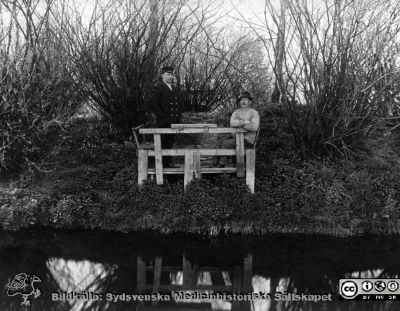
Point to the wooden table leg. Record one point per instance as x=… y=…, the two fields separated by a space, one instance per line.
x=142 y=165
x=187 y=273
x=141 y=275
x=157 y=278
x=237 y=287
x=196 y=161
x=240 y=155
x=250 y=168
x=158 y=159
x=188 y=169
x=247 y=274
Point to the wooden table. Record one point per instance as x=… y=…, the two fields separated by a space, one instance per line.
x=245 y=159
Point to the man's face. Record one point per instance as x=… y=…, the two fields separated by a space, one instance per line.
x=245 y=103
x=168 y=77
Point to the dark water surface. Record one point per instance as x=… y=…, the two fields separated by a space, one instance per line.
x=112 y=267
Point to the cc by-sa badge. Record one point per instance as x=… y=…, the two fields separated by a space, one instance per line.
x=348 y=289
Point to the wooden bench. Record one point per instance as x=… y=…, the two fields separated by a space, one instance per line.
x=245 y=159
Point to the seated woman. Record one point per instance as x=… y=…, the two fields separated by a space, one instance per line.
x=245 y=117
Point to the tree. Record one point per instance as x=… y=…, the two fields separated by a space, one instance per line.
x=118 y=55
x=279 y=52
x=340 y=76
x=36 y=86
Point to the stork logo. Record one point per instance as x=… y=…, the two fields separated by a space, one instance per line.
x=24 y=284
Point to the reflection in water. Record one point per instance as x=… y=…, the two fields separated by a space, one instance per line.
x=203 y=279
x=261 y=284
x=167 y=265
x=189 y=279
x=376 y=273
x=79 y=277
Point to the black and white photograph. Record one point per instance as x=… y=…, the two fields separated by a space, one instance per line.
x=199 y=155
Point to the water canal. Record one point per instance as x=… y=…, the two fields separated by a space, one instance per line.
x=104 y=271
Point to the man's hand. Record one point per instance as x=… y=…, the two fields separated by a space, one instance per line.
x=244 y=122
x=152 y=121
x=241 y=123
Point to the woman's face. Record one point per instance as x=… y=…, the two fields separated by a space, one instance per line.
x=245 y=103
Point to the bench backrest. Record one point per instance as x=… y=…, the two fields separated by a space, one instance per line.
x=135 y=135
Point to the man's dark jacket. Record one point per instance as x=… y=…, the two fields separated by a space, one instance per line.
x=165 y=104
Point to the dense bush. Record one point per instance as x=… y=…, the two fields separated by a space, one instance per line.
x=330 y=197
x=76 y=211
x=125 y=179
x=310 y=197
x=204 y=205
x=216 y=203
x=38 y=94
x=292 y=194
x=90 y=141
x=88 y=158
x=19 y=208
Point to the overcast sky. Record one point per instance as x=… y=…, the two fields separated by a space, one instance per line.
x=230 y=11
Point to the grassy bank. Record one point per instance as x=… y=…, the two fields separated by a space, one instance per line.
x=90 y=181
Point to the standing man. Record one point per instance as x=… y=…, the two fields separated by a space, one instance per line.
x=165 y=107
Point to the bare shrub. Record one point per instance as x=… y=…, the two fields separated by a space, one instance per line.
x=37 y=90
x=338 y=77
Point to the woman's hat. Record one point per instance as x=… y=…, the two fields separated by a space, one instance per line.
x=245 y=95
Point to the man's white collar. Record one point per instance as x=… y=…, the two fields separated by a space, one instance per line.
x=169 y=85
